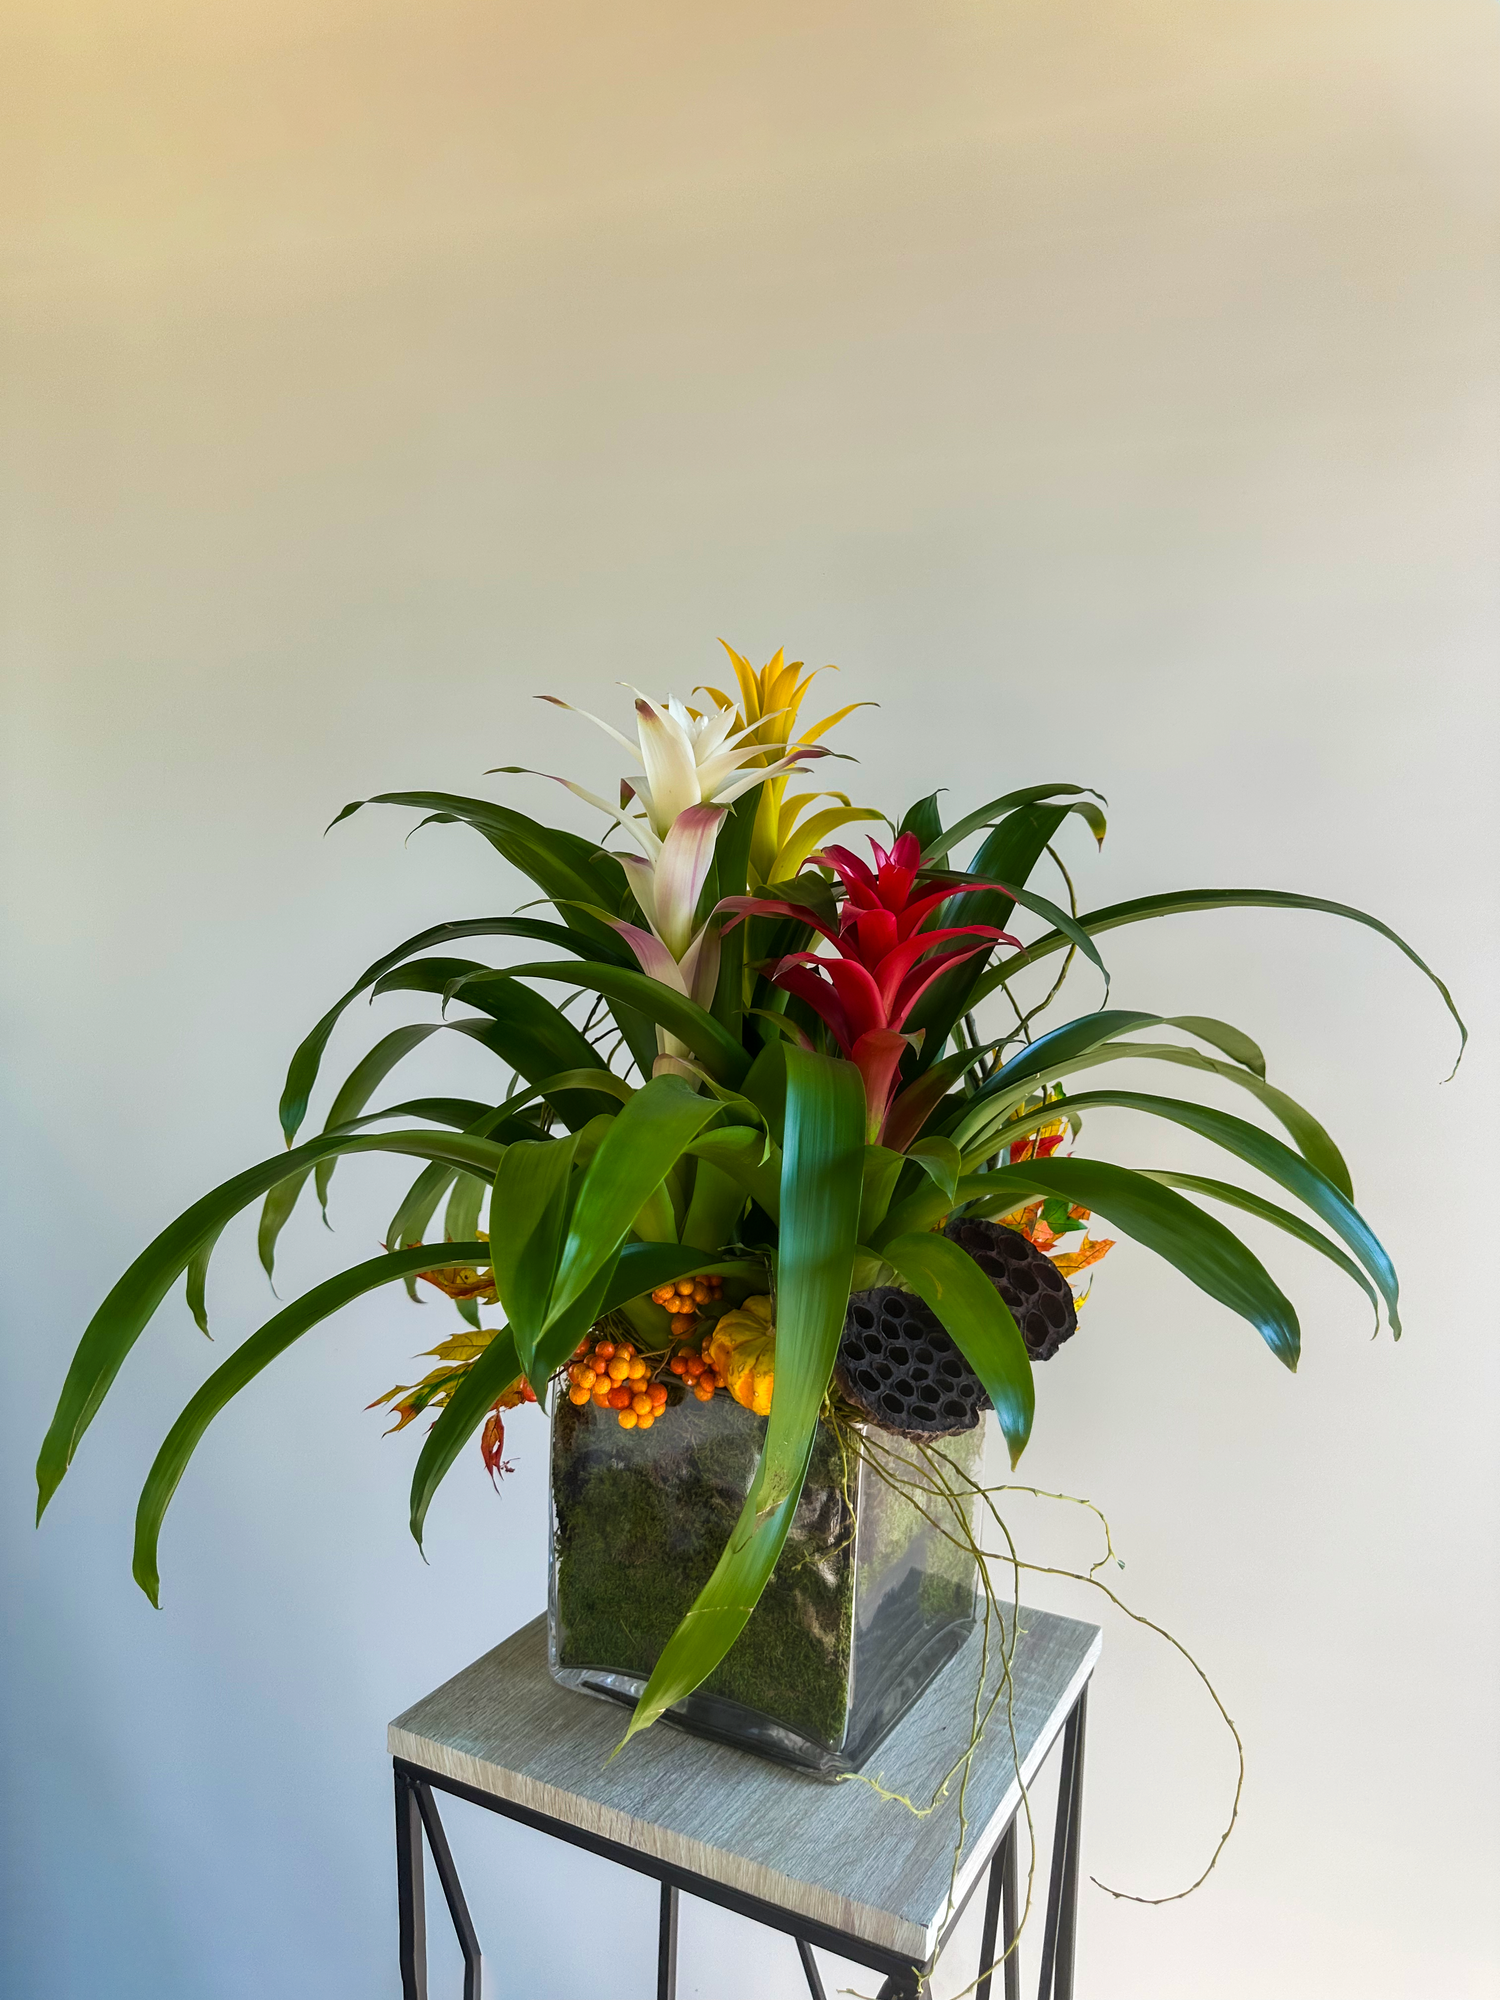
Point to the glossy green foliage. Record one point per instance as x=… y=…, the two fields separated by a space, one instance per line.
x=246 y=1362
x=633 y=1136
x=821 y=1177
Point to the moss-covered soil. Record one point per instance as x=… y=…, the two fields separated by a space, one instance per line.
x=641 y=1519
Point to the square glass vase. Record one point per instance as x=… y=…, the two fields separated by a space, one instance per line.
x=868 y=1602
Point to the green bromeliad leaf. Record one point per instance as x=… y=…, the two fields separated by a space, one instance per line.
x=122 y=1318
x=1197 y=1245
x=985 y=816
x=246 y=1362
x=822 y=1175
x=708 y=1039
x=926 y=822
x=638 y=1150
x=361 y=1084
x=303 y=1072
x=1183 y=902
x=1258 y=1149
x=1280 y=1218
x=564 y=866
x=527 y=1032
x=748 y=1158
x=987 y=1129
x=1009 y=855
x=530 y=1208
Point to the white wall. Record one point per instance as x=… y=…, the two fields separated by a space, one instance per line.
x=1111 y=390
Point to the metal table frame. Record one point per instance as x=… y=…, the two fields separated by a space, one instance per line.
x=417 y=1815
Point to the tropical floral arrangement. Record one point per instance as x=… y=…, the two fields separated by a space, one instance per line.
x=749 y=1140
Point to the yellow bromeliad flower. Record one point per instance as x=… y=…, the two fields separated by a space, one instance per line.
x=767 y=710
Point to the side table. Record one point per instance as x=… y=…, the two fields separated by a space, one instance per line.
x=833 y=1866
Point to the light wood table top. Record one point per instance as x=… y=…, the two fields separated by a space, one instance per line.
x=837 y=1853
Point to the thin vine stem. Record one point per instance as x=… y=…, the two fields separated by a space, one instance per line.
x=947 y=1481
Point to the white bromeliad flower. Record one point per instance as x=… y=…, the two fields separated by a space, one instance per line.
x=688 y=758
x=692 y=771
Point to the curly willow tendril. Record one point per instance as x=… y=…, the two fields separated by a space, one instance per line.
x=894 y=1471
x=944 y=1496
x=1091 y=1578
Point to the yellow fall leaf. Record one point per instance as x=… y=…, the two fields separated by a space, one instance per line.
x=1071 y=1262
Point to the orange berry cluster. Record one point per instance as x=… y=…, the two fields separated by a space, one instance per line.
x=685 y=1300
x=696 y=1375
x=611 y=1374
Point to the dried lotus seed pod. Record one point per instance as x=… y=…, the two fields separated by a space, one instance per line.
x=1039 y=1296
x=897 y=1366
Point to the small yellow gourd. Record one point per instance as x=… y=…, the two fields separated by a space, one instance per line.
x=742 y=1351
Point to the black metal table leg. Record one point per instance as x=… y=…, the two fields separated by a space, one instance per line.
x=411 y=1901
x=1056 y=1982
x=991 y=1918
x=810 y=1967
x=1068 y=1914
x=1012 y=1910
x=666 y=1945
x=418 y=1822
x=1000 y=1895
x=453 y=1895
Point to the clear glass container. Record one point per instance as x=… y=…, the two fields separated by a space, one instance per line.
x=868 y=1602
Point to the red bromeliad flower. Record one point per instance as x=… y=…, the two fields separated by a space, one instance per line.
x=885 y=959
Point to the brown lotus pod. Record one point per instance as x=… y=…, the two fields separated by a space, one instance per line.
x=1039 y=1296
x=897 y=1366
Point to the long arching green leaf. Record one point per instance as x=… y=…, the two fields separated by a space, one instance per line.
x=974 y=822
x=564 y=866
x=349 y=1101
x=720 y=1054
x=749 y=1158
x=1040 y=1060
x=197 y=1283
x=640 y=1148
x=408 y=1226
x=525 y=1030
x=987 y=1130
x=1071 y=927
x=822 y=1183
x=461 y=1217
x=241 y=1368
x=822 y=1173
x=1197 y=1245
x=1064 y=1049
x=119 y=1322
x=1009 y=855
x=463 y=1114
x=1280 y=1218
x=978 y=1320
x=361 y=1084
x=1258 y=1149
x=530 y=1209
x=303 y=1072
x=1184 y=902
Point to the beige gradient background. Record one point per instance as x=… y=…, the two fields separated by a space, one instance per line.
x=1111 y=389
